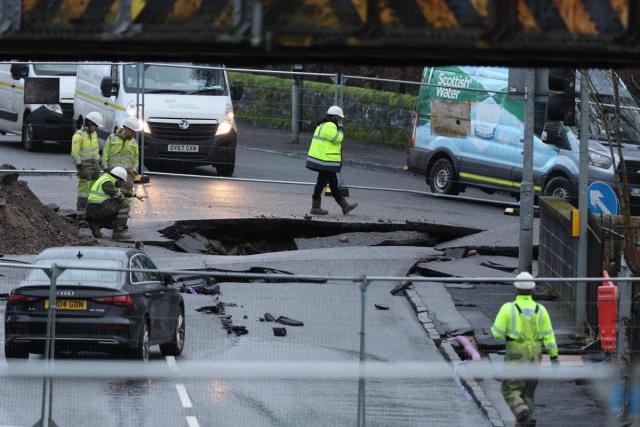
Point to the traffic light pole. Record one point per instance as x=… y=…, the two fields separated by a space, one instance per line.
x=526 y=187
x=581 y=290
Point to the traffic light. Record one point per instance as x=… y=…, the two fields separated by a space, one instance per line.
x=561 y=103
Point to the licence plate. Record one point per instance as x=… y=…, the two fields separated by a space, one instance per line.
x=68 y=304
x=635 y=191
x=183 y=148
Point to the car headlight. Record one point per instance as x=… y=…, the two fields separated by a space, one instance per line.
x=226 y=125
x=599 y=160
x=145 y=127
x=56 y=108
x=132 y=109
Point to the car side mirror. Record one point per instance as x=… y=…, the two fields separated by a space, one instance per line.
x=236 y=90
x=167 y=279
x=108 y=87
x=19 y=71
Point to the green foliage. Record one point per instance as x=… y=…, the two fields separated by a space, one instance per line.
x=261 y=110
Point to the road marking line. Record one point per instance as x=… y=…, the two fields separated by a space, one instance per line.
x=193 y=421
x=184 y=396
x=171 y=361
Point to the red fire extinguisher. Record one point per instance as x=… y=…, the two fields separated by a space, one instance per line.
x=607 y=313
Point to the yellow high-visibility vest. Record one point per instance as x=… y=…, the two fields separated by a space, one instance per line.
x=325 y=152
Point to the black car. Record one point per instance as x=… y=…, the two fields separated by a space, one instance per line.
x=106 y=311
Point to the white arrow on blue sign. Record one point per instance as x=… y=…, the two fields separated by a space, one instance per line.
x=602 y=199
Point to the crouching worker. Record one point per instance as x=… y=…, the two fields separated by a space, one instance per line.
x=107 y=204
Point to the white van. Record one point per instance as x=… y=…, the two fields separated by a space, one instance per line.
x=37 y=123
x=188 y=113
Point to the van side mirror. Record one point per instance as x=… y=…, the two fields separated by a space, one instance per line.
x=108 y=87
x=19 y=71
x=167 y=279
x=236 y=90
x=553 y=134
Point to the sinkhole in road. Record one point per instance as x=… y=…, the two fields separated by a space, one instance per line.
x=262 y=235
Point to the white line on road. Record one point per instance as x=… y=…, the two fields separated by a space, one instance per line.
x=184 y=396
x=193 y=421
x=171 y=361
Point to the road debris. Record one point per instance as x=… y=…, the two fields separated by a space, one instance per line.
x=381 y=306
x=269 y=317
x=283 y=320
x=280 y=332
x=400 y=288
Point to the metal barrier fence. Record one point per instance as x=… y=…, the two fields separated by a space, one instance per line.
x=217 y=121
x=332 y=367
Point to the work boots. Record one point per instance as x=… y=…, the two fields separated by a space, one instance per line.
x=95 y=230
x=346 y=207
x=120 y=235
x=316 y=209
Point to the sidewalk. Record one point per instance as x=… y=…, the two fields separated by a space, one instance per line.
x=354 y=153
x=469 y=309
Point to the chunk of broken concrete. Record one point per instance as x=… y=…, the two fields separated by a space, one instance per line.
x=400 y=288
x=190 y=245
x=209 y=309
x=381 y=306
x=52 y=207
x=269 y=317
x=239 y=330
x=280 y=332
x=289 y=322
x=343 y=239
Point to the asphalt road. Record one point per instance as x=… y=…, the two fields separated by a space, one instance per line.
x=179 y=198
x=331 y=310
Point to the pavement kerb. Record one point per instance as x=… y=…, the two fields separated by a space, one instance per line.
x=449 y=353
x=362 y=164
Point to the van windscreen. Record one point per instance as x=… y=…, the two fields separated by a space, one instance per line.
x=176 y=80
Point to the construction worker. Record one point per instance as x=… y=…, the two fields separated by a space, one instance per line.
x=325 y=157
x=526 y=326
x=121 y=149
x=85 y=152
x=106 y=201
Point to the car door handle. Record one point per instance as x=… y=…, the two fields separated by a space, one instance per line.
x=148 y=294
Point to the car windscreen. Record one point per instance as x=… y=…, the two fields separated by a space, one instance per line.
x=77 y=277
x=55 y=69
x=176 y=80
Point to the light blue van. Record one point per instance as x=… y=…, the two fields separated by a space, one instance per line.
x=468 y=133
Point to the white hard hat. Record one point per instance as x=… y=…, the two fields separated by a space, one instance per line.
x=334 y=110
x=96 y=118
x=525 y=285
x=132 y=123
x=120 y=172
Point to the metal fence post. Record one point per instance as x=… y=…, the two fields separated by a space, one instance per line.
x=624 y=343
x=526 y=189
x=295 y=109
x=49 y=350
x=342 y=82
x=336 y=88
x=581 y=288
x=361 y=381
x=143 y=119
x=139 y=71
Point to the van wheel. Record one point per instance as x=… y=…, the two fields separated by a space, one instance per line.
x=559 y=187
x=29 y=141
x=443 y=179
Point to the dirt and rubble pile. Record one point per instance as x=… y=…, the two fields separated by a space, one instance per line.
x=26 y=225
